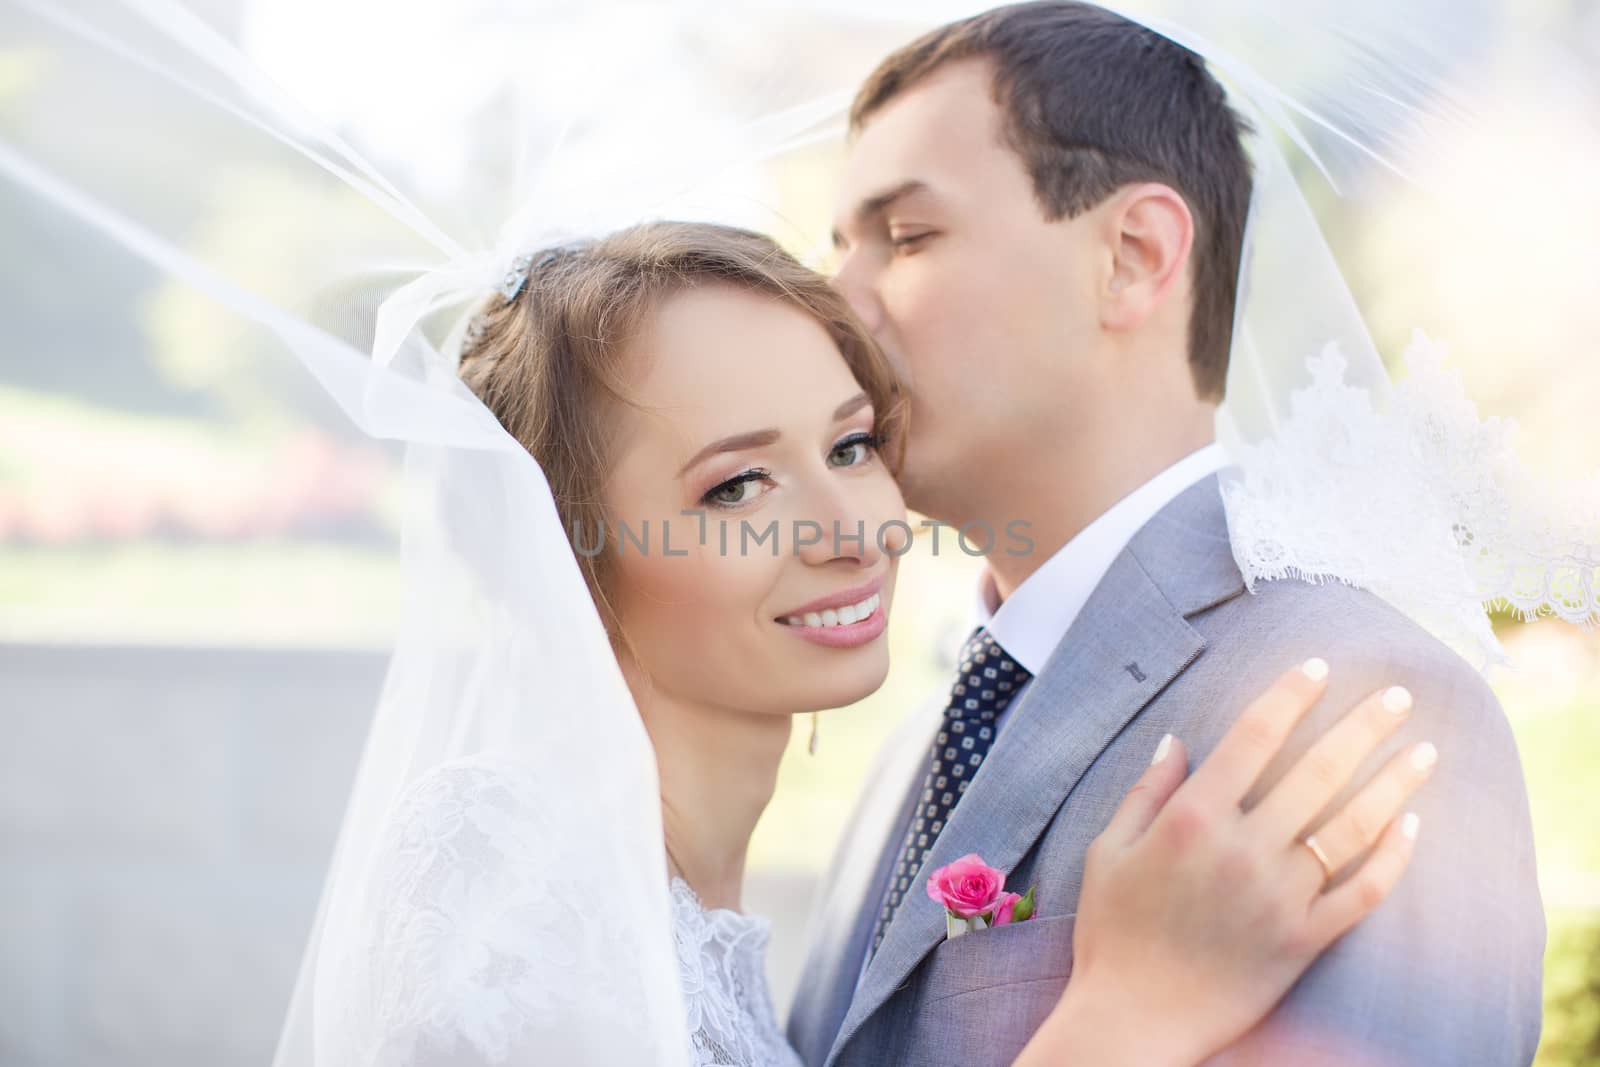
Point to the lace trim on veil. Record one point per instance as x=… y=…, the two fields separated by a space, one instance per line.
x=1423 y=504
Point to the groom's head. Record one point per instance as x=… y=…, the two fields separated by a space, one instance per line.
x=1041 y=221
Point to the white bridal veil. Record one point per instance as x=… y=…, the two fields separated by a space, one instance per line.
x=498 y=892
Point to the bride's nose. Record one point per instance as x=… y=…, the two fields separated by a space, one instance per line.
x=837 y=527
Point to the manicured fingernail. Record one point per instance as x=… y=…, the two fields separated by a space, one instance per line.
x=1409 y=825
x=1424 y=756
x=1162 y=749
x=1397 y=699
x=1315 y=668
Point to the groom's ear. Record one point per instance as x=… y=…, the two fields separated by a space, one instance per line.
x=1149 y=233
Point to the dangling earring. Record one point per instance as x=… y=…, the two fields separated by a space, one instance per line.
x=812 y=747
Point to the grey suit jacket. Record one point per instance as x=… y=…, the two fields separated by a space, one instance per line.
x=1446 y=971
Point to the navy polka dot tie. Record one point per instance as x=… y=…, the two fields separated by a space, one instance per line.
x=987 y=681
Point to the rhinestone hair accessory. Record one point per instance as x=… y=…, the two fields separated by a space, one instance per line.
x=516 y=276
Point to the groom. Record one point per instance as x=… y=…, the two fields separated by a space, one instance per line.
x=1041 y=221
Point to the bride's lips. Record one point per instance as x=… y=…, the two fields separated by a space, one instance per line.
x=841 y=635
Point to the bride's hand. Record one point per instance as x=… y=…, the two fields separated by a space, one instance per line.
x=1196 y=917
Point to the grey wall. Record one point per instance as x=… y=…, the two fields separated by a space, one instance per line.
x=162 y=847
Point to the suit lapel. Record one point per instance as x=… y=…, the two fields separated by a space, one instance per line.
x=1128 y=643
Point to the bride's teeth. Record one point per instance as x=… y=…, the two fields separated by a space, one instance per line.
x=845 y=616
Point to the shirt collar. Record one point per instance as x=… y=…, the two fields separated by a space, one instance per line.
x=1033 y=620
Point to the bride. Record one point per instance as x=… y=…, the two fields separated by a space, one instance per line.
x=691 y=385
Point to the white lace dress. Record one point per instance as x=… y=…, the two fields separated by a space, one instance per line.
x=723 y=954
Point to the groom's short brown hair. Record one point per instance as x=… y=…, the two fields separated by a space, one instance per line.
x=1094 y=102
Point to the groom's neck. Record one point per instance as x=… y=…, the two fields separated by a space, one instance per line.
x=1057 y=494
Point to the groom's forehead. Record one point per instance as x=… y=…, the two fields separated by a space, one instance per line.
x=961 y=90
x=919 y=135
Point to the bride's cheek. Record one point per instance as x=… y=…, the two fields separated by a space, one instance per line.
x=694 y=593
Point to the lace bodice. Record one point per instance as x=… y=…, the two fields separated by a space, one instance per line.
x=722 y=955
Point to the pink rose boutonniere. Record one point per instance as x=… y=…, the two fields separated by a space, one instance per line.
x=975 y=898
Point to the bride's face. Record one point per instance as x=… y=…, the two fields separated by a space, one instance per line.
x=754 y=422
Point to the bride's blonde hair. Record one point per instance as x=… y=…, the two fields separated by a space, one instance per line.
x=551 y=362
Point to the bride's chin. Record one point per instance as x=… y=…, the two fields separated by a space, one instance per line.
x=845 y=684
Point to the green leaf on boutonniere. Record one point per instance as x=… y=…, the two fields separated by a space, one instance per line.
x=1023 y=909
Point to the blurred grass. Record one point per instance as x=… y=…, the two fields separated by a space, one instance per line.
x=1572 y=991
x=1553 y=702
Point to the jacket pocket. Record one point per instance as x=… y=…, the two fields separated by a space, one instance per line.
x=1035 y=950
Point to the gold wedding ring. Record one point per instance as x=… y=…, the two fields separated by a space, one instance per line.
x=1310 y=841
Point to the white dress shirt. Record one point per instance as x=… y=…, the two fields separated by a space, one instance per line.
x=1036 y=616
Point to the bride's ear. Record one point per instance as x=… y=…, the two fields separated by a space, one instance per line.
x=1150 y=233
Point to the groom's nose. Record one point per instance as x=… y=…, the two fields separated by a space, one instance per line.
x=862 y=295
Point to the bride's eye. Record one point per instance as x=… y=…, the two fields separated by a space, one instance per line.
x=856 y=449
x=731 y=493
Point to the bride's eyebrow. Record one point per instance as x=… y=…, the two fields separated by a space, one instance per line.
x=757 y=438
x=851 y=406
x=737 y=443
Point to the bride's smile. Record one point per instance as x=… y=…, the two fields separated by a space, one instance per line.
x=841 y=620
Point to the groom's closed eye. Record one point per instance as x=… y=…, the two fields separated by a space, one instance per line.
x=911 y=241
x=872 y=211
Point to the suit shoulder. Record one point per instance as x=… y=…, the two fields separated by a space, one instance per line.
x=1367 y=635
